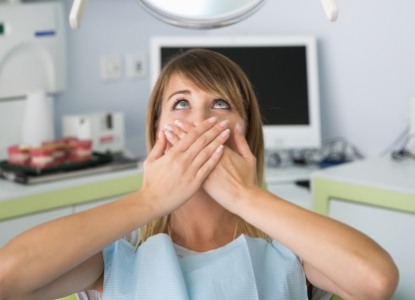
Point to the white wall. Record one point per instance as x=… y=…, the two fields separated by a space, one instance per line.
x=367 y=63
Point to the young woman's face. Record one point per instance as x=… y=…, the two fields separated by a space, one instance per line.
x=182 y=100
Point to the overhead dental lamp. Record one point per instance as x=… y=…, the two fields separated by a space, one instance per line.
x=199 y=14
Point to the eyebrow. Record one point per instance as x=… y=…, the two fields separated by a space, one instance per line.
x=179 y=92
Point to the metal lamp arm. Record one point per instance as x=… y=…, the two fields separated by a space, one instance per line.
x=77 y=13
x=331 y=9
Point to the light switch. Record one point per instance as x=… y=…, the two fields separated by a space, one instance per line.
x=136 y=65
x=111 y=67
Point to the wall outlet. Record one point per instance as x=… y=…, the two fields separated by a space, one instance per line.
x=136 y=66
x=111 y=67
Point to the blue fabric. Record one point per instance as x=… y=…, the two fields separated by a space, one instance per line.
x=247 y=268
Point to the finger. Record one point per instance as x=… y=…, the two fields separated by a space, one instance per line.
x=199 y=133
x=183 y=125
x=205 y=155
x=207 y=136
x=210 y=163
x=159 y=147
x=171 y=137
x=207 y=142
x=241 y=144
x=182 y=128
x=177 y=131
x=174 y=133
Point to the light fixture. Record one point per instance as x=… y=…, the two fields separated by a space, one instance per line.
x=199 y=14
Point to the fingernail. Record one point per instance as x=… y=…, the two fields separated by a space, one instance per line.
x=169 y=127
x=179 y=123
x=225 y=133
x=160 y=134
x=224 y=123
x=219 y=149
x=169 y=135
x=212 y=119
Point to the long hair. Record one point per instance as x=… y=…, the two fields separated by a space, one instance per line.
x=215 y=74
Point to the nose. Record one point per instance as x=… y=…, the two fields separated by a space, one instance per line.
x=200 y=114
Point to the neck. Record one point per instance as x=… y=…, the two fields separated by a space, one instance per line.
x=202 y=224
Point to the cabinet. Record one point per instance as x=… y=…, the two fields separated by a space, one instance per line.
x=22 y=207
x=377 y=197
x=291 y=192
x=89 y=205
x=282 y=182
x=13 y=227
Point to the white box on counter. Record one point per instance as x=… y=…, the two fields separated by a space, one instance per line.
x=105 y=129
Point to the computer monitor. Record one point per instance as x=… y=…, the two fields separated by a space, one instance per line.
x=283 y=71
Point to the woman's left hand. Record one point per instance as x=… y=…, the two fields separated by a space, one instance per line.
x=235 y=172
x=233 y=175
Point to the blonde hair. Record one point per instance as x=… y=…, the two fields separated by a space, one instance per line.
x=217 y=75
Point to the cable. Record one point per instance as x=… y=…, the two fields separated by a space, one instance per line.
x=332 y=152
x=397 y=141
x=403 y=152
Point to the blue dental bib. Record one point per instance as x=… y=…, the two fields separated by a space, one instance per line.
x=247 y=268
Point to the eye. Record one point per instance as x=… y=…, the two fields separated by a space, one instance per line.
x=181 y=104
x=221 y=104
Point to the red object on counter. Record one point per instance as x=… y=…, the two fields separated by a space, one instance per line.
x=68 y=140
x=41 y=158
x=18 y=155
x=80 y=150
x=59 y=151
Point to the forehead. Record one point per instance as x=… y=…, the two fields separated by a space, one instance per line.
x=178 y=81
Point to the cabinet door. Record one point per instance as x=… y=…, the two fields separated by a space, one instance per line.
x=392 y=229
x=11 y=228
x=300 y=196
x=86 y=206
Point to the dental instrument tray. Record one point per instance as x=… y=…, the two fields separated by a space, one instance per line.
x=98 y=164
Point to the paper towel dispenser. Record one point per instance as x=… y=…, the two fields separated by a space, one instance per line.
x=32 y=48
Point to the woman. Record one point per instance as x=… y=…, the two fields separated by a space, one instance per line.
x=207 y=228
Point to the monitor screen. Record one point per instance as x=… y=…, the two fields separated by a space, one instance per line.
x=283 y=71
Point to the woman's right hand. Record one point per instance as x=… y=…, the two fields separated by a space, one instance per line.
x=172 y=177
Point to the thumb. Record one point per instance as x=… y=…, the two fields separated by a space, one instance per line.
x=159 y=147
x=240 y=142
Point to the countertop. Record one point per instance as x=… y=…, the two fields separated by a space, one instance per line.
x=381 y=182
x=18 y=199
x=380 y=172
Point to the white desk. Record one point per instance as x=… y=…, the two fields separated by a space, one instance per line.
x=289 y=174
x=376 y=196
x=291 y=192
x=281 y=182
